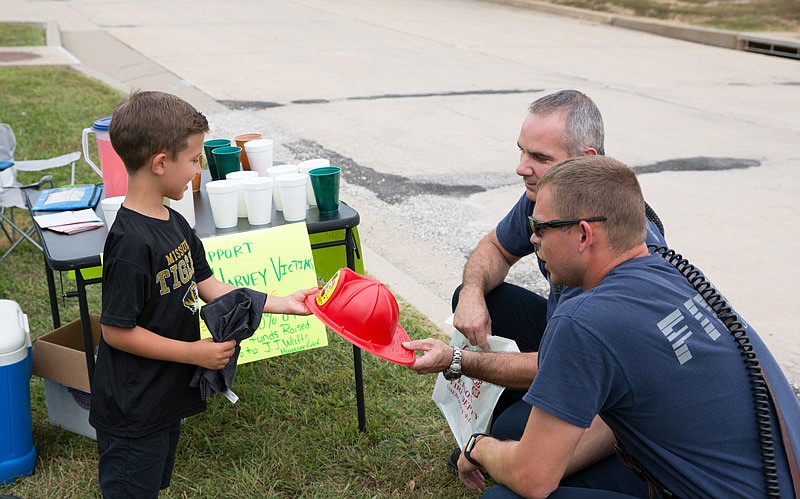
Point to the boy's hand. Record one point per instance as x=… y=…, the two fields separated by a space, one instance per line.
x=213 y=355
x=291 y=304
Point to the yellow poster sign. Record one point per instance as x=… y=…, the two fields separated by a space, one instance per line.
x=276 y=261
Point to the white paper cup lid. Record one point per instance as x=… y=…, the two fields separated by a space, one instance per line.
x=258 y=145
x=276 y=170
x=291 y=179
x=241 y=175
x=310 y=164
x=113 y=201
x=222 y=186
x=257 y=183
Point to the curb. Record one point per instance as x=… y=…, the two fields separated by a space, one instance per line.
x=105 y=58
x=782 y=47
x=50 y=54
x=102 y=57
x=52 y=34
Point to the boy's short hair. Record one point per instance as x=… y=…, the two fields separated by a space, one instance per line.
x=148 y=123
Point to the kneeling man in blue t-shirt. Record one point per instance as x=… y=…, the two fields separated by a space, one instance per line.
x=638 y=361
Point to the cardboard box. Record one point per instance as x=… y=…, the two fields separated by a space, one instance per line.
x=59 y=357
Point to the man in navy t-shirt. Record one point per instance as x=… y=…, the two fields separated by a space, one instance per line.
x=638 y=359
x=559 y=126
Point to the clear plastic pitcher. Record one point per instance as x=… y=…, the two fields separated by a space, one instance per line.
x=112 y=169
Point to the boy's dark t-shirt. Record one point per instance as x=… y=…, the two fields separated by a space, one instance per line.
x=150 y=272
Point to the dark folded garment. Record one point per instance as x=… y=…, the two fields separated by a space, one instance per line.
x=232 y=316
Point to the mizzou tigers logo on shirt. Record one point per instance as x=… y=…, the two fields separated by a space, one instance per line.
x=191 y=299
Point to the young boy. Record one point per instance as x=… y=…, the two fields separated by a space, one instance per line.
x=154 y=271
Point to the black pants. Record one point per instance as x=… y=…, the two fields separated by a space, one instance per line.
x=517 y=314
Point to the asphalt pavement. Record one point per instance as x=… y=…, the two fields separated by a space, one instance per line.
x=420 y=102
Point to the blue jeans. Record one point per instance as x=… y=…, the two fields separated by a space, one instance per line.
x=607 y=479
x=137 y=468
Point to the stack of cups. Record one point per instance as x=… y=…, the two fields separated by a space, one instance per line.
x=274 y=172
x=259 y=154
x=292 y=189
x=258 y=198
x=243 y=139
x=198 y=179
x=239 y=177
x=209 y=146
x=305 y=167
x=228 y=159
x=110 y=207
x=184 y=205
x=325 y=182
x=223 y=196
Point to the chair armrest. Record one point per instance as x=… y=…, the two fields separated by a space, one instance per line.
x=36 y=165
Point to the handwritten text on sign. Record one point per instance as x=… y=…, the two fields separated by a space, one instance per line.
x=276 y=261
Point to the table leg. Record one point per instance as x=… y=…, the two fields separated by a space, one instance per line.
x=362 y=411
x=350 y=246
x=86 y=324
x=51 y=288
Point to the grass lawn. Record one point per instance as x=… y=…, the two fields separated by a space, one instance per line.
x=294 y=431
x=734 y=15
x=21 y=35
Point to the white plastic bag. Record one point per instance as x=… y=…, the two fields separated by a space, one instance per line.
x=467 y=403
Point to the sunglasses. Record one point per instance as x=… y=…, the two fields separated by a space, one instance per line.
x=538 y=227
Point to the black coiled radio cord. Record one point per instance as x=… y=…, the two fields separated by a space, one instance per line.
x=759 y=386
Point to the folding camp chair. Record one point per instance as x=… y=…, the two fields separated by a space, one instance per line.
x=11 y=195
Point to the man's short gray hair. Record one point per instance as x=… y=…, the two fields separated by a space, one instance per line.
x=584 y=123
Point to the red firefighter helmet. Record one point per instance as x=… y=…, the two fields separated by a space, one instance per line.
x=364 y=312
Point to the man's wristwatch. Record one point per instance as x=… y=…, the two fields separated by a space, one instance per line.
x=454 y=371
x=471 y=445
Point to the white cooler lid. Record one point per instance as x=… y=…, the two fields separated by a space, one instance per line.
x=14 y=339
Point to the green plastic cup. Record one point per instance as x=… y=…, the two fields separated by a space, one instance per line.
x=228 y=159
x=325 y=182
x=209 y=146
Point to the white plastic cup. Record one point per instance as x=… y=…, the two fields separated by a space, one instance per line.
x=110 y=207
x=259 y=154
x=305 y=167
x=258 y=197
x=223 y=196
x=275 y=172
x=292 y=187
x=238 y=177
x=184 y=205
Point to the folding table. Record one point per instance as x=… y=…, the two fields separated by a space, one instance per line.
x=78 y=252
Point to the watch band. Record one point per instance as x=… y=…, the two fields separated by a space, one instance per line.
x=471 y=445
x=454 y=371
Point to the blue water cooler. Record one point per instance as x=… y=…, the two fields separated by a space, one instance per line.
x=17 y=453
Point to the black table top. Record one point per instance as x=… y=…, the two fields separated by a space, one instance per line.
x=78 y=251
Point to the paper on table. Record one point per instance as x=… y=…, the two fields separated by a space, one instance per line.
x=66 y=217
x=75 y=228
